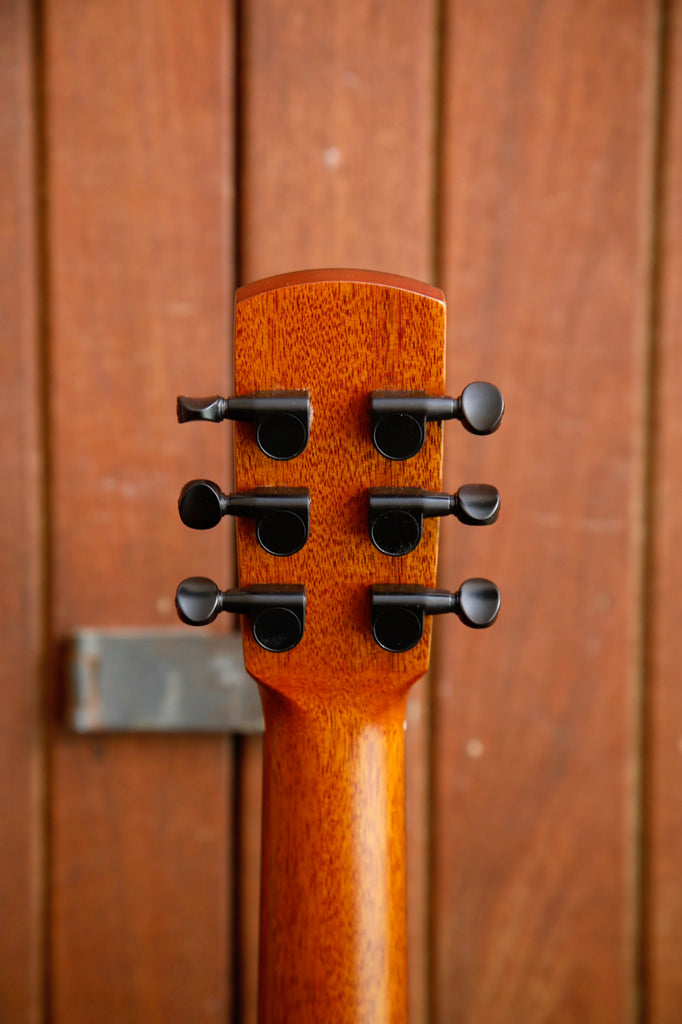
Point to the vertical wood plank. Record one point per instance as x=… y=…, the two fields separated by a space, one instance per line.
x=138 y=101
x=546 y=184
x=337 y=108
x=337 y=141
x=663 y=903
x=21 y=535
x=249 y=769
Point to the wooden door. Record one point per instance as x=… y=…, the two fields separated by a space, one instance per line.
x=526 y=158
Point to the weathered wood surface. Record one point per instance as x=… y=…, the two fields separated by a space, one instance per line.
x=543 y=214
x=21 y=536
x=138 y=126
x=663 y=746
x=338 y=147
x=247 y=822
x=545 y=185
x=333 y=915
x=337 y=137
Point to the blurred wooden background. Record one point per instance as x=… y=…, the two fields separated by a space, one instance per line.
x=525 y=156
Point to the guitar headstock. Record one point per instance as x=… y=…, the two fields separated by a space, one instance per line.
x=339 y=380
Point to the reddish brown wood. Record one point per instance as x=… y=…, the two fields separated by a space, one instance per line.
x=333 y=928
x=21 y=537
x=247 y=880
x=138 y=118
x=338 y=150
x=333 y=924
x=337 y=138
x=340 y=335
x=663 y=897
x=545 y=185
x=337 y=117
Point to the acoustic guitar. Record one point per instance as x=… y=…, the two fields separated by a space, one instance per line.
x=338 y=408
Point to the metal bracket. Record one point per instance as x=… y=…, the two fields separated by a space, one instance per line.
x=153 y=681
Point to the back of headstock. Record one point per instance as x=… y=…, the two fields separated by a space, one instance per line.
x=341 y=340
x=358 y=359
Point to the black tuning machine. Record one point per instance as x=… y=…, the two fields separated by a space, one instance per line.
x=399 y=418
x=282 y=418
x=277 y=613
x=282 y=514
x=398 y=611
x=396 y=514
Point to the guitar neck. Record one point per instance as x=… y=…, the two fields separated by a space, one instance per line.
x=333 y=931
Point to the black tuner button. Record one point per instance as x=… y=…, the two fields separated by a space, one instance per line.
x=476 y=504
x=198 y=601
x=396 y=514
x=282 y=418
x=202 y=504
x=399 y=418
x=277 y=613
x=398 y=611
x=282 y=514
x=477 y=603
x=481 y=407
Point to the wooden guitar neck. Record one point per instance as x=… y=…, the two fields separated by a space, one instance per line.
x=333 y=920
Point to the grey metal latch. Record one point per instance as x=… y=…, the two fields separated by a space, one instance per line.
x=159 y=681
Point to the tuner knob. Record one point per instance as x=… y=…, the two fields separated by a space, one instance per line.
x=282 y=514
x=481 y=407
x=277 y=613
x=202 y=504
x=282 y=418
x=476 y=504
x=399 y=418
x=396 y=515
x=398 y=611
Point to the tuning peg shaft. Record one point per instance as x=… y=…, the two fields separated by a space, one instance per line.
x=396 y=514
x=398 y=611
x=282 y=418
x=277 y=613
x=399 y=418
x=282 y=514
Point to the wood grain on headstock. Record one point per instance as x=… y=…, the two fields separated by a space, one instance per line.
x=340 y=335
x=333 y=883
